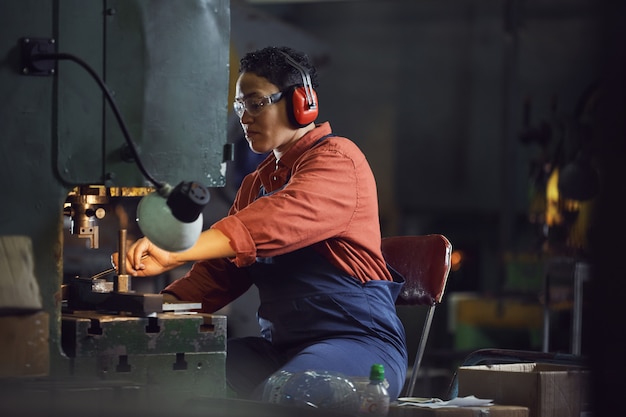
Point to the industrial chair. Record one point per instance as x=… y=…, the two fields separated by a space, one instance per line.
x=424 y=261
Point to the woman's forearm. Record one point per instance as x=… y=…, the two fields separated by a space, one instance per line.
x=211 y=244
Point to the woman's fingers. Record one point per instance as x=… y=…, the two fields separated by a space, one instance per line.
x=142 y=259
x=138 y=251
x=135 y=257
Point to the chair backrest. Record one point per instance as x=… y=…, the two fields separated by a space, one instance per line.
x=424 y=261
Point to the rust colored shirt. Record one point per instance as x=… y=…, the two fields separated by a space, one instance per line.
x=321 y=194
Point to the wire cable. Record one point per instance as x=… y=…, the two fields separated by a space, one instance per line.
x=110 y=100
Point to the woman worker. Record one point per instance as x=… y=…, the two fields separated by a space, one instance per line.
x=304 y=229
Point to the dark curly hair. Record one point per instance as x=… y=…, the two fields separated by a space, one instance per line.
x=272 y=64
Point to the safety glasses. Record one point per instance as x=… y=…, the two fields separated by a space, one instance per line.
x=255 y=105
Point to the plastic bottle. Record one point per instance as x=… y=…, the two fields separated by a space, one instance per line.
x=375 y=401
x=274 y=385
x=316 y=389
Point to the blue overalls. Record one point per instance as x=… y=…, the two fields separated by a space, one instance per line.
x=314 y=316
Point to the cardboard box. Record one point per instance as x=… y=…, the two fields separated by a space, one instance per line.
x=547 y=390
x=490 y=411
x=24 y=347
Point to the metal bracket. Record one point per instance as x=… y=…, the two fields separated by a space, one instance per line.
x=30 y=48
x=228 y=152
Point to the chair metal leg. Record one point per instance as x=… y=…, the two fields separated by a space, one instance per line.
x=581 y=275
x=420 y=352
x=546 y=313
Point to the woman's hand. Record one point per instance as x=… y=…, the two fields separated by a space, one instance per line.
x=144 y=259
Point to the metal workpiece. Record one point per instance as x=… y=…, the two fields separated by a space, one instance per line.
x=83 y=297
x=124 y=283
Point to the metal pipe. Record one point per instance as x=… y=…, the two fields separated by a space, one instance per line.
x=123 y=280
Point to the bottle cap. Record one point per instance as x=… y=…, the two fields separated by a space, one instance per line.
x=377 y=372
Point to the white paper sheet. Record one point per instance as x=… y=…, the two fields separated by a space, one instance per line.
x=469 y=401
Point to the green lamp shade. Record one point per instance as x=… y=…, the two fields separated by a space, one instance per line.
x=172 y=220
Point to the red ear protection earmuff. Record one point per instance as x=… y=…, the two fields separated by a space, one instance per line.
x=302 y=107
x=303 y=111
